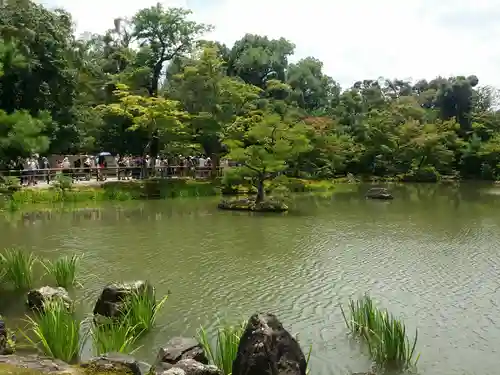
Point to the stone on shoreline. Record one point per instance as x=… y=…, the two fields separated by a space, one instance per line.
x=7 y=345
x=266 y=348
x=179 y=348
x=38 y=364
x=379 y=193
x=37 y=297
x=250 y=205
x=116 y=363
x=113 y=298
x=192 y=367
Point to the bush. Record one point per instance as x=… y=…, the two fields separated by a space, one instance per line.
x=423 y=174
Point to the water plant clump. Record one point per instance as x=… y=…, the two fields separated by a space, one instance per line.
x=142 y=309
x=223 y=352
x=55 y=331
x=385 y=335
x=114 y=336
x=16 y=268
x=63 y=270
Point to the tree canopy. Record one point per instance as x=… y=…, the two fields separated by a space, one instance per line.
x=152 y=84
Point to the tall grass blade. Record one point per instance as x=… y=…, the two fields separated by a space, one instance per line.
x=63 y=270
x=17 y=266
x=110 y=335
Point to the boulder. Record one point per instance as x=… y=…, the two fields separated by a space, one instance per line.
x=266 y=348
x=37 y=297
x=116 y=363
x=37 y=363
x=7 y=345
x=379 y=193
x=114 y=296
x=192 y=367
x=179 y=348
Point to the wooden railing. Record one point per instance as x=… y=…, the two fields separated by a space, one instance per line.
x=120 y=173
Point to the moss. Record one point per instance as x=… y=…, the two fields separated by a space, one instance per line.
x=250 y=205
x=8 y=369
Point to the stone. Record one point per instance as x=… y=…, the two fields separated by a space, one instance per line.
x=38 y=363
x=117 y=362
x=266 y=348
x=192 y=367
x=179 y=348
x=37 y=297
x=112 y=300
x=379 y=193
x=7 y=344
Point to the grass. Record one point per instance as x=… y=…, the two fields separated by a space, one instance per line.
x=55 y=332
x=17 y=268
x=63 y=270
x=142 y=310
x=386 y=336
x=227 y=339
x=112 y=336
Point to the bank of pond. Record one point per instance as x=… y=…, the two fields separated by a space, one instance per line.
x=53 y=336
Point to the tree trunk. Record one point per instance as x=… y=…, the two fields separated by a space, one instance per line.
x=260 y=191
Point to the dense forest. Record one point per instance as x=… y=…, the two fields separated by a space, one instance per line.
x=152 y=84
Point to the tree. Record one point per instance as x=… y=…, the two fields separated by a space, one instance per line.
x=263 y=145
x=164 y=34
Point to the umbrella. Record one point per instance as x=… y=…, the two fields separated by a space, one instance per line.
x=104 y=154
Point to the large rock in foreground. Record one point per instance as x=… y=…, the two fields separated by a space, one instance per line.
x=114 y=297
x=37 y=363
x=179 y=348
x=116 y=363
x=250 y=205
x=266 y=348
x=37 y=297
x=379 y=193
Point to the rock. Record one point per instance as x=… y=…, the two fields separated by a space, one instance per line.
x=37 y=297
x=192 y=367
x=38 y=363
x=379 y=193
x=179 y=348
x=117 y=362
x=7 y=344
x=250 y=205
x=114 y=296
x=266 y=348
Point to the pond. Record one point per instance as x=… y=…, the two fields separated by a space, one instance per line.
x=431 y=255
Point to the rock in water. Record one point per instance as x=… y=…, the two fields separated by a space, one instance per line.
x=7 y=345
x=114 y=296
x=379 y=193
x=37 y=297
x=192 y=367
x=179 y=348
x=266 y=348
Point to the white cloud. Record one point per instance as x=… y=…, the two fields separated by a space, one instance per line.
x=356 y=39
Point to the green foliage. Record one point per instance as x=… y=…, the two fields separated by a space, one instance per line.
x=385 y=335
x=63 y=270
x=111 y=336
x=55 y=331
x=16 y=267
x=142 y=310
x=63 y=182
x=223 y=352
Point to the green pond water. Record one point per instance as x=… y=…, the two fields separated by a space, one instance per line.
x=432 y=255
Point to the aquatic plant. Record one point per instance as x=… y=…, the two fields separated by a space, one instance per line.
x=142 y=309
x=227 y=339
x=386 y=336
x=17 y=268
x=63 y=270
x=110 y=335
x=55 y=331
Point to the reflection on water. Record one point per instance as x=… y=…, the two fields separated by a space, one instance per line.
x=430 y=255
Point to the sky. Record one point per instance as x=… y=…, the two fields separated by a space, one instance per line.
x=355 y=39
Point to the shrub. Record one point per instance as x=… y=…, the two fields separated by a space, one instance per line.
x=17 y=268
x=63 y=270
x=223 y=353
x=56 y=332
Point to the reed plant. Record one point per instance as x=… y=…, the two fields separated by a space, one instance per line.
x=111 y=335
x=17 y=268
x=63 y=270
x=385 y=335
x=223 y=352
x=55 y=331
x=142 y=309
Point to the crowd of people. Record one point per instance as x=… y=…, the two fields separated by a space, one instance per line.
x=37 y=169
